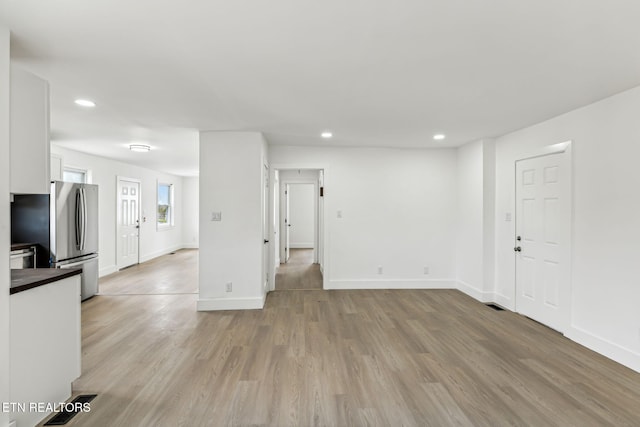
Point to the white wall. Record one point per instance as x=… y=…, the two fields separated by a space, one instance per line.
x=104 y=171
x=475 y=232
x=469 y=259
x=5 y=224
x=190 y=211
x=398 y=211
x=489 y=236
x=231 y=250
x=606 y=209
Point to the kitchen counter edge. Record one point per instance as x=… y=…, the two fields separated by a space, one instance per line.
x=25 y=279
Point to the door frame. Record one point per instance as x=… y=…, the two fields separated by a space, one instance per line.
x=565 y=147
x=321 y=210
x=266 y=229
x=316 y=219
x=125 y=178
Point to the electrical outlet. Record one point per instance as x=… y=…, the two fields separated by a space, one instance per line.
x=339 y=214
x=379 y=269
x=216 y=216
x=229 y=287
x=426 y=270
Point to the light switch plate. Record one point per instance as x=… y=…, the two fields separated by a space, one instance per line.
x=216 y=216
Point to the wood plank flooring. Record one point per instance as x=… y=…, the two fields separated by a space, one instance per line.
x=299 y=272
x=341 y=358
x=175 y=273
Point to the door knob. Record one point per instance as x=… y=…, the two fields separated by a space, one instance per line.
x=517 y=249
x=266 y=241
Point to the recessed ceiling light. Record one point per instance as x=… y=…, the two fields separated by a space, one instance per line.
x=326 y=135
x=85 y=103
x=139 y=148
x=438 y=136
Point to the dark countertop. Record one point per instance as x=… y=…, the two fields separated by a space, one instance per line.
x=29 y=278
x=19 y=246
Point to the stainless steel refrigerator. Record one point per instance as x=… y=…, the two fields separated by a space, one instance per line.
x=64 y=227
x=73 y=241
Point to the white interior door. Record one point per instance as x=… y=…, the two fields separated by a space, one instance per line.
x=543 y=239
x=276 y=219
x=265 y=228
x=128 y=227
x=287 y=224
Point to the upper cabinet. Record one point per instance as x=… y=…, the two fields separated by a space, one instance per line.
x=29 y=115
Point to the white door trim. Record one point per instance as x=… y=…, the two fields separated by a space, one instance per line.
x=139 y=182
x=327 y=226
x=559 y=148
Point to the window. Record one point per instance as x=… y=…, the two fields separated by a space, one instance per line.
x=74 y=175
x=165 y=205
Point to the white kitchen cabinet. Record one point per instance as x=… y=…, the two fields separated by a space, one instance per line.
x=56 y=167
x=45 y=345
x=29 y=121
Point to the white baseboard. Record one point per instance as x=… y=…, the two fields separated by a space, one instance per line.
x=301 y=245
x=105 y=271
x=219 y=304
x=190 y=246
x=144 y=258
x=613 y=351
x=474 y=292
x=392 y=284
x=504 y=301
x=156 y=254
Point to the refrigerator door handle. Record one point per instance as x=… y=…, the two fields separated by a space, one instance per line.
x=77 y=263
x=84 y=218
x=78 y=219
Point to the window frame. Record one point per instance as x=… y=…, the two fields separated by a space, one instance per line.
x=72 y=169
x=170 y=223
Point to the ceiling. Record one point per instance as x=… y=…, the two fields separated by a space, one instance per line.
x=376 y=73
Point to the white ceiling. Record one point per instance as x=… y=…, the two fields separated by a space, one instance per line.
x=376 y=73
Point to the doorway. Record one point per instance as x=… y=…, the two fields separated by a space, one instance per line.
x=300 y=240
x=543 y=239
x=128 y=222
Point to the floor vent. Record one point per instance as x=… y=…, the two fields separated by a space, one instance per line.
x=495 y=307
x=76 y=405
x=172 y=253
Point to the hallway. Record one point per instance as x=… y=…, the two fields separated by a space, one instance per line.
x=300 y=273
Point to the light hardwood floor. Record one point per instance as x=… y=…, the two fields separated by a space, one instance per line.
x=299 y=272
x=175 y=273
x=341 y=358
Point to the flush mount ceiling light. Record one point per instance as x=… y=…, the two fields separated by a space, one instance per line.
x=85 y=103
x=326 y=135
x=438 y=136
x=139 y=148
